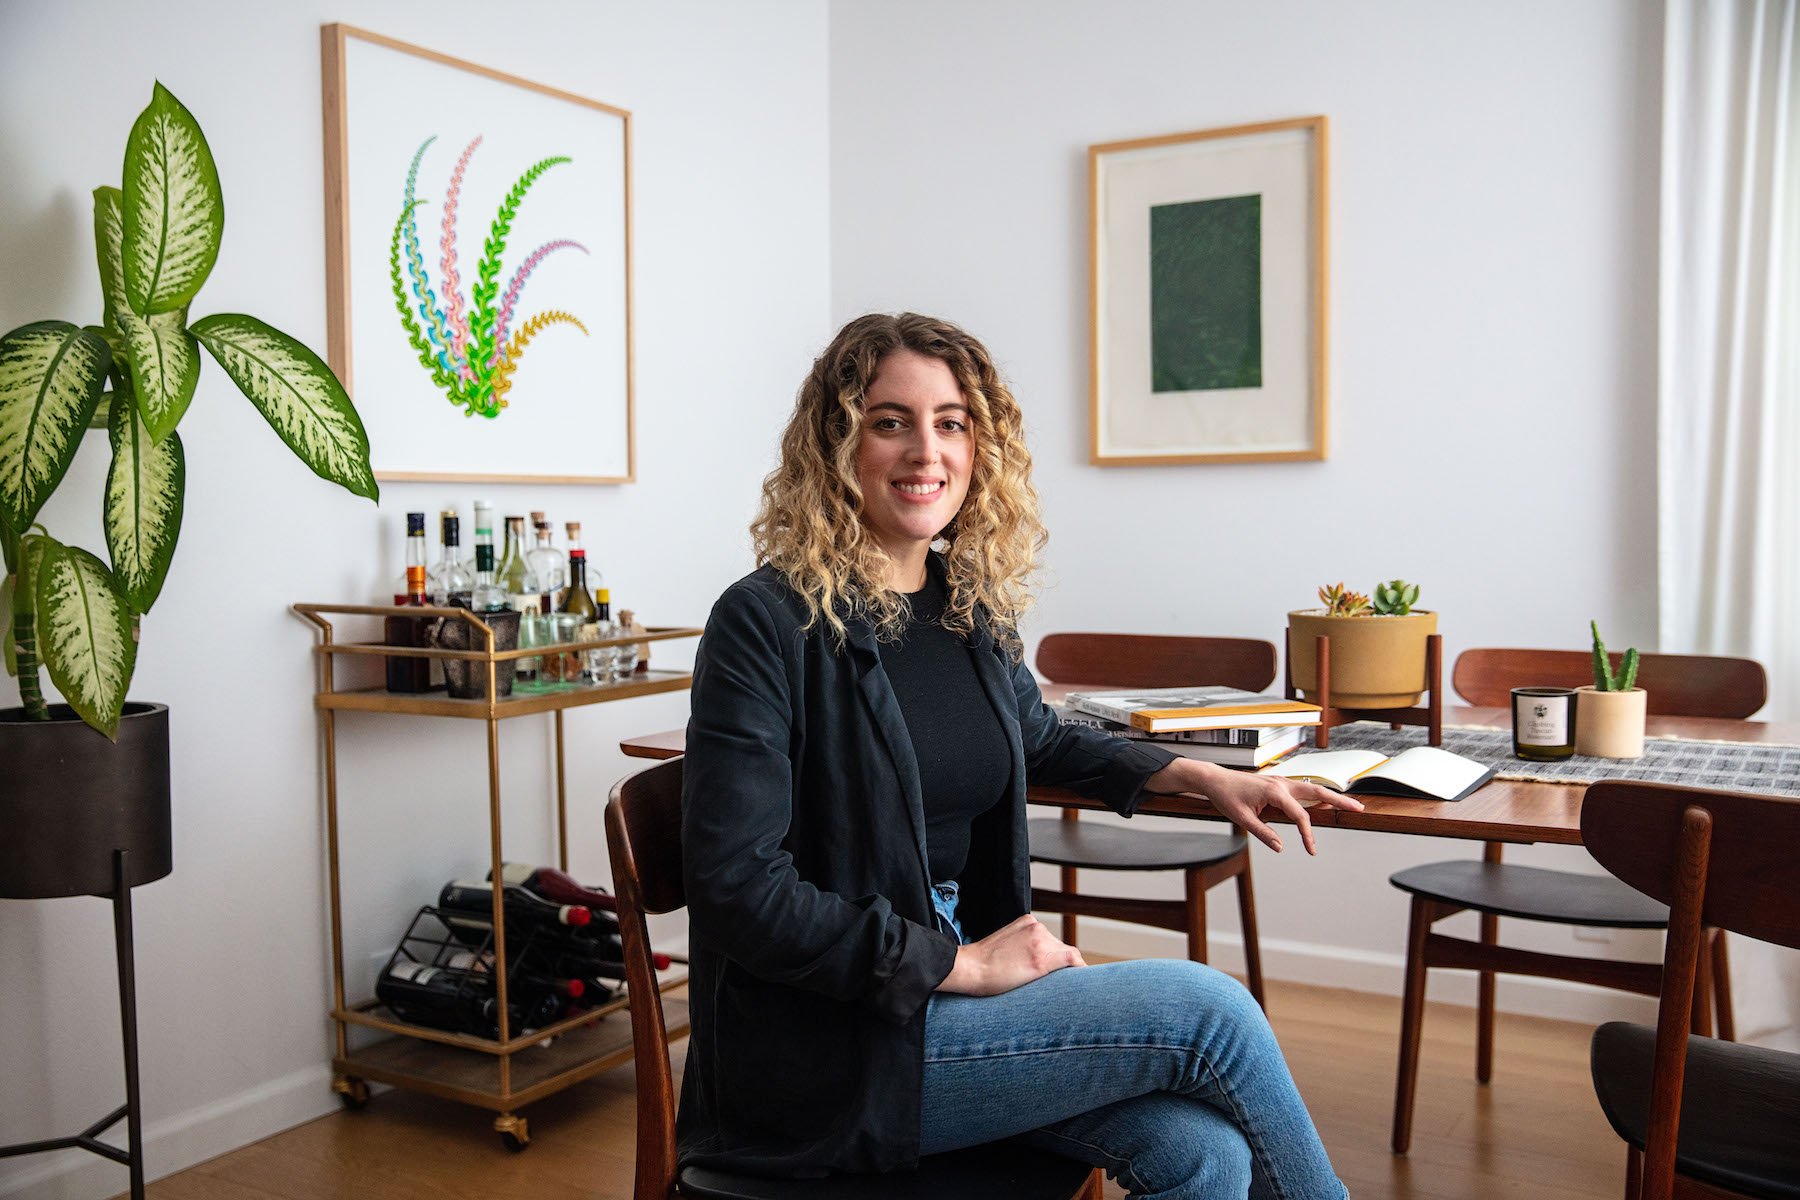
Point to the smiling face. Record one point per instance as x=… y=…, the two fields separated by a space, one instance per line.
x=914 y=459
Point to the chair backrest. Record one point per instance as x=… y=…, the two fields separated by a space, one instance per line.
x=1722 y=859
x=1677 y=685
x=643 y=834
x=1145 y=661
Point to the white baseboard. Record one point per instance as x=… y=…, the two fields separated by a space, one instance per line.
x=1367 y=971
x=179 y=1142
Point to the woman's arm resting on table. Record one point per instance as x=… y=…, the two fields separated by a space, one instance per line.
x=1242 y=797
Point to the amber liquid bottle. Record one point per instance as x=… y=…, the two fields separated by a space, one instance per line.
x=407 y=675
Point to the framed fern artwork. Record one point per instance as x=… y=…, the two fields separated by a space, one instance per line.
x=478 y=267
x=1208 y=295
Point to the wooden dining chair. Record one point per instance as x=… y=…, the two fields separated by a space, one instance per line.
x=643 y=834
x=1675 y=685
x=1699 y=1116
x=1124 y=660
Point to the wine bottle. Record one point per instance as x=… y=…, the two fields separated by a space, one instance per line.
x=451 y=582
x=460 y=1001
x=513 y=573
x=553 y=884
x=575 y=597
x=524 y=909
x=484 y=531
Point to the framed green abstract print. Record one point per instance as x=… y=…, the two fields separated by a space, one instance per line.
x=478 y=267
x=1207 y=289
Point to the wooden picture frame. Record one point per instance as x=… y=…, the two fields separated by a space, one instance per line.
x=478 y=267
x=1207 y=278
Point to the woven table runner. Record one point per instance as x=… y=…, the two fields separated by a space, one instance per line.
x=1733 y=766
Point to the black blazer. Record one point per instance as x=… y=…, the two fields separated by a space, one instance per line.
x=812 y=944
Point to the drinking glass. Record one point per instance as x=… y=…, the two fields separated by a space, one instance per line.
x=526 y=676
x=564 y=667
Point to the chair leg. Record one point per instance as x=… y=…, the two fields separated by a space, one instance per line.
x=1068 y=884
x=1484 y=985
x=1094 y=1188
x=1721 y=985
x=1484 y=1005
x=1068 y=918
x=1412 y=1016
x=1634 y=1172
x=1252 y=944
x=1700 y=1019
x=1196 y=914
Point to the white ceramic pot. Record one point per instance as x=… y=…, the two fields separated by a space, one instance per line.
x=1609 y=724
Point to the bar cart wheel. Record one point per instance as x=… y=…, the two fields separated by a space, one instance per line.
x=515 y=1135
x=352 y=1093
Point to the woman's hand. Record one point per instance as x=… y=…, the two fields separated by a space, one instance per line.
x=1009 y=958
x=1241 y=797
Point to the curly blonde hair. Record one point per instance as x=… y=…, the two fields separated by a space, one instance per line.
x=810 y=524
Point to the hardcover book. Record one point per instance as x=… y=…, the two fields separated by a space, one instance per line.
x=1162 y=710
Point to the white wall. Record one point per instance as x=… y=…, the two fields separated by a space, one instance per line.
x=732 y=277
x=1492 y=264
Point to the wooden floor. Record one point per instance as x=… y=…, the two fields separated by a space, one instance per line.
x=1536 y=1131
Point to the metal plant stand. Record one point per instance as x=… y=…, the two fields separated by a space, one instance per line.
x=132 y=1110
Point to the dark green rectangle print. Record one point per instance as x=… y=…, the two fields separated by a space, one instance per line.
x=1206 y=295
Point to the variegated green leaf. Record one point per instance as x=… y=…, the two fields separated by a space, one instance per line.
x=296 y=393
x=143 y=505
x=165 y=366
x=174 y=212
x=84 y=634
x=51 y=374
x=109 y=248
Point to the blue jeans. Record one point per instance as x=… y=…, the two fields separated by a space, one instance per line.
x=1163 y=1072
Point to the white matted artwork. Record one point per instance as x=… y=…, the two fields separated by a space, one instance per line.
x=478 y=267
x=1208 y=287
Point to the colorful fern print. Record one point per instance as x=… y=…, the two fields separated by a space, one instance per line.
x=470 y=349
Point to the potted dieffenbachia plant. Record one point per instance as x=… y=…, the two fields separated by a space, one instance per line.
x=133 y=373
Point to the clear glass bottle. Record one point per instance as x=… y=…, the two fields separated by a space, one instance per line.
x=488 y=596
x=546 y=562
x=450 y=581
x=514 y=573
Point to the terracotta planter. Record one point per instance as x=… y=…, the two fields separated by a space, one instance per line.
x=1610 y=724
x=1376 y=662
x=69 y=798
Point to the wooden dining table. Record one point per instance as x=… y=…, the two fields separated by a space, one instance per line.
x=1503 y=810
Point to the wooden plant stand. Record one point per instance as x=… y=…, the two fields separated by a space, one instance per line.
x=1430 y=714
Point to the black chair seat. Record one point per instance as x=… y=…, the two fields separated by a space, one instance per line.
x=1740 y=1107
x=1003 y=1169
x=1109 y=848
x=1536 y=894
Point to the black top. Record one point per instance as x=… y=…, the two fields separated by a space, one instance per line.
x=964 y=764
x=812 y=946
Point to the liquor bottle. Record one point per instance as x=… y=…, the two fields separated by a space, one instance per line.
x=546 y=562
x=484 y=531
x=451 y=583
x=575 y=597
x=409 y=675
x=514 y=573
x=556 y=885
x=524 y=909
x=487 y=595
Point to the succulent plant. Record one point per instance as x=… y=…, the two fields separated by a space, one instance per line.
x=1605 y=678
x=1395 y=597
x=1340 y=602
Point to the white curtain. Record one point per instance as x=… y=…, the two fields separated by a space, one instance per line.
x=1728 y=444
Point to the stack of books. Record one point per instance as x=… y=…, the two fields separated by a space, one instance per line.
x=1216 y=724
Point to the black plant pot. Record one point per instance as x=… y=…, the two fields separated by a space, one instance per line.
x=69 y=798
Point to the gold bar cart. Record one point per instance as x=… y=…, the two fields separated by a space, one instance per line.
x=454 y=1066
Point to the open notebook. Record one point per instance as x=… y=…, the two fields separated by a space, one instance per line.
x=1424 y=772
